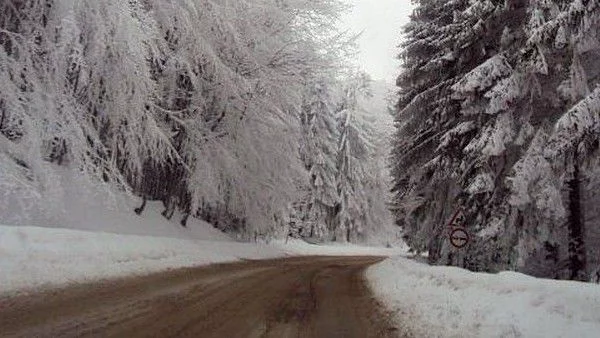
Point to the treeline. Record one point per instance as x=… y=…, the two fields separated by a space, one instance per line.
x=243 y=113
x=499 y=116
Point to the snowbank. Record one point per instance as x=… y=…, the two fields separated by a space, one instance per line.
x=300 y=247
x=451 y=302
x=34 y=257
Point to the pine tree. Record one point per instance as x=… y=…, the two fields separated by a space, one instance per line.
x=353 y=152
x=318 y=152
x=445 y=41
x=497 y=151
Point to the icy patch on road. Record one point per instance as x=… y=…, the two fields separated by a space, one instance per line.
x=434 y=301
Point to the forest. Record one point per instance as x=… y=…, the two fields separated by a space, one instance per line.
x=498 y=117
x=251 y=115
x=246 y=114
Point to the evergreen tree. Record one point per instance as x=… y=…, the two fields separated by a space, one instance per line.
x=515 y=69
x=318 y=150
x=353 y=153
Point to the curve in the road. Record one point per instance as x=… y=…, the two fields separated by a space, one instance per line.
x=295 y=297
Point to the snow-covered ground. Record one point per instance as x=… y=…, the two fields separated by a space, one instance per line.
x=34 y=257
x=71 y=201
x=80 y=230
x=433 y=301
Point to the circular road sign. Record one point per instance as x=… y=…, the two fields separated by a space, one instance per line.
x=459 y=238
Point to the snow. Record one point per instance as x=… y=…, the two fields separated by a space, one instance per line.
x=35 y=257
x=300 y=247
x=484 y=76
x=504 y=94
x=560 y=41
x=494 y=139
x=77 y=231
x=482 y=183
x=533 y=182
x=460 y=130
x=583 y=118
x=80 y=231
x=435 y=301
x=75 y=202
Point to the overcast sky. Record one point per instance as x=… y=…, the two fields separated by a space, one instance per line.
x=381 y=21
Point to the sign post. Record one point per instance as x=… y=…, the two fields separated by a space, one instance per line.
x=459 y=237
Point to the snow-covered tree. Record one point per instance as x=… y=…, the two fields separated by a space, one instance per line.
x=445 y=42
x=500 y=84
x=319 y=151
x=345 y=199
x=197 y=103
x=354 y=150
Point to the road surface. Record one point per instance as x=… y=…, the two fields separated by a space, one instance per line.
x=296 y=297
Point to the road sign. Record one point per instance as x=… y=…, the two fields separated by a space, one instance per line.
x=459 y=238
x=458 y=220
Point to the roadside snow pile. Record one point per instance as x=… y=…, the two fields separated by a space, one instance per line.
x=451 y=302
x=32 y=257
x=300 y=247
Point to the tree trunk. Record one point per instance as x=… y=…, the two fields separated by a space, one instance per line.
x=348 y=233
x=577 y=255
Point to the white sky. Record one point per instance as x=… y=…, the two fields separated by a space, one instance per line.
x=381 y=22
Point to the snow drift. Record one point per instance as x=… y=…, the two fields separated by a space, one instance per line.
x=435 y=301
